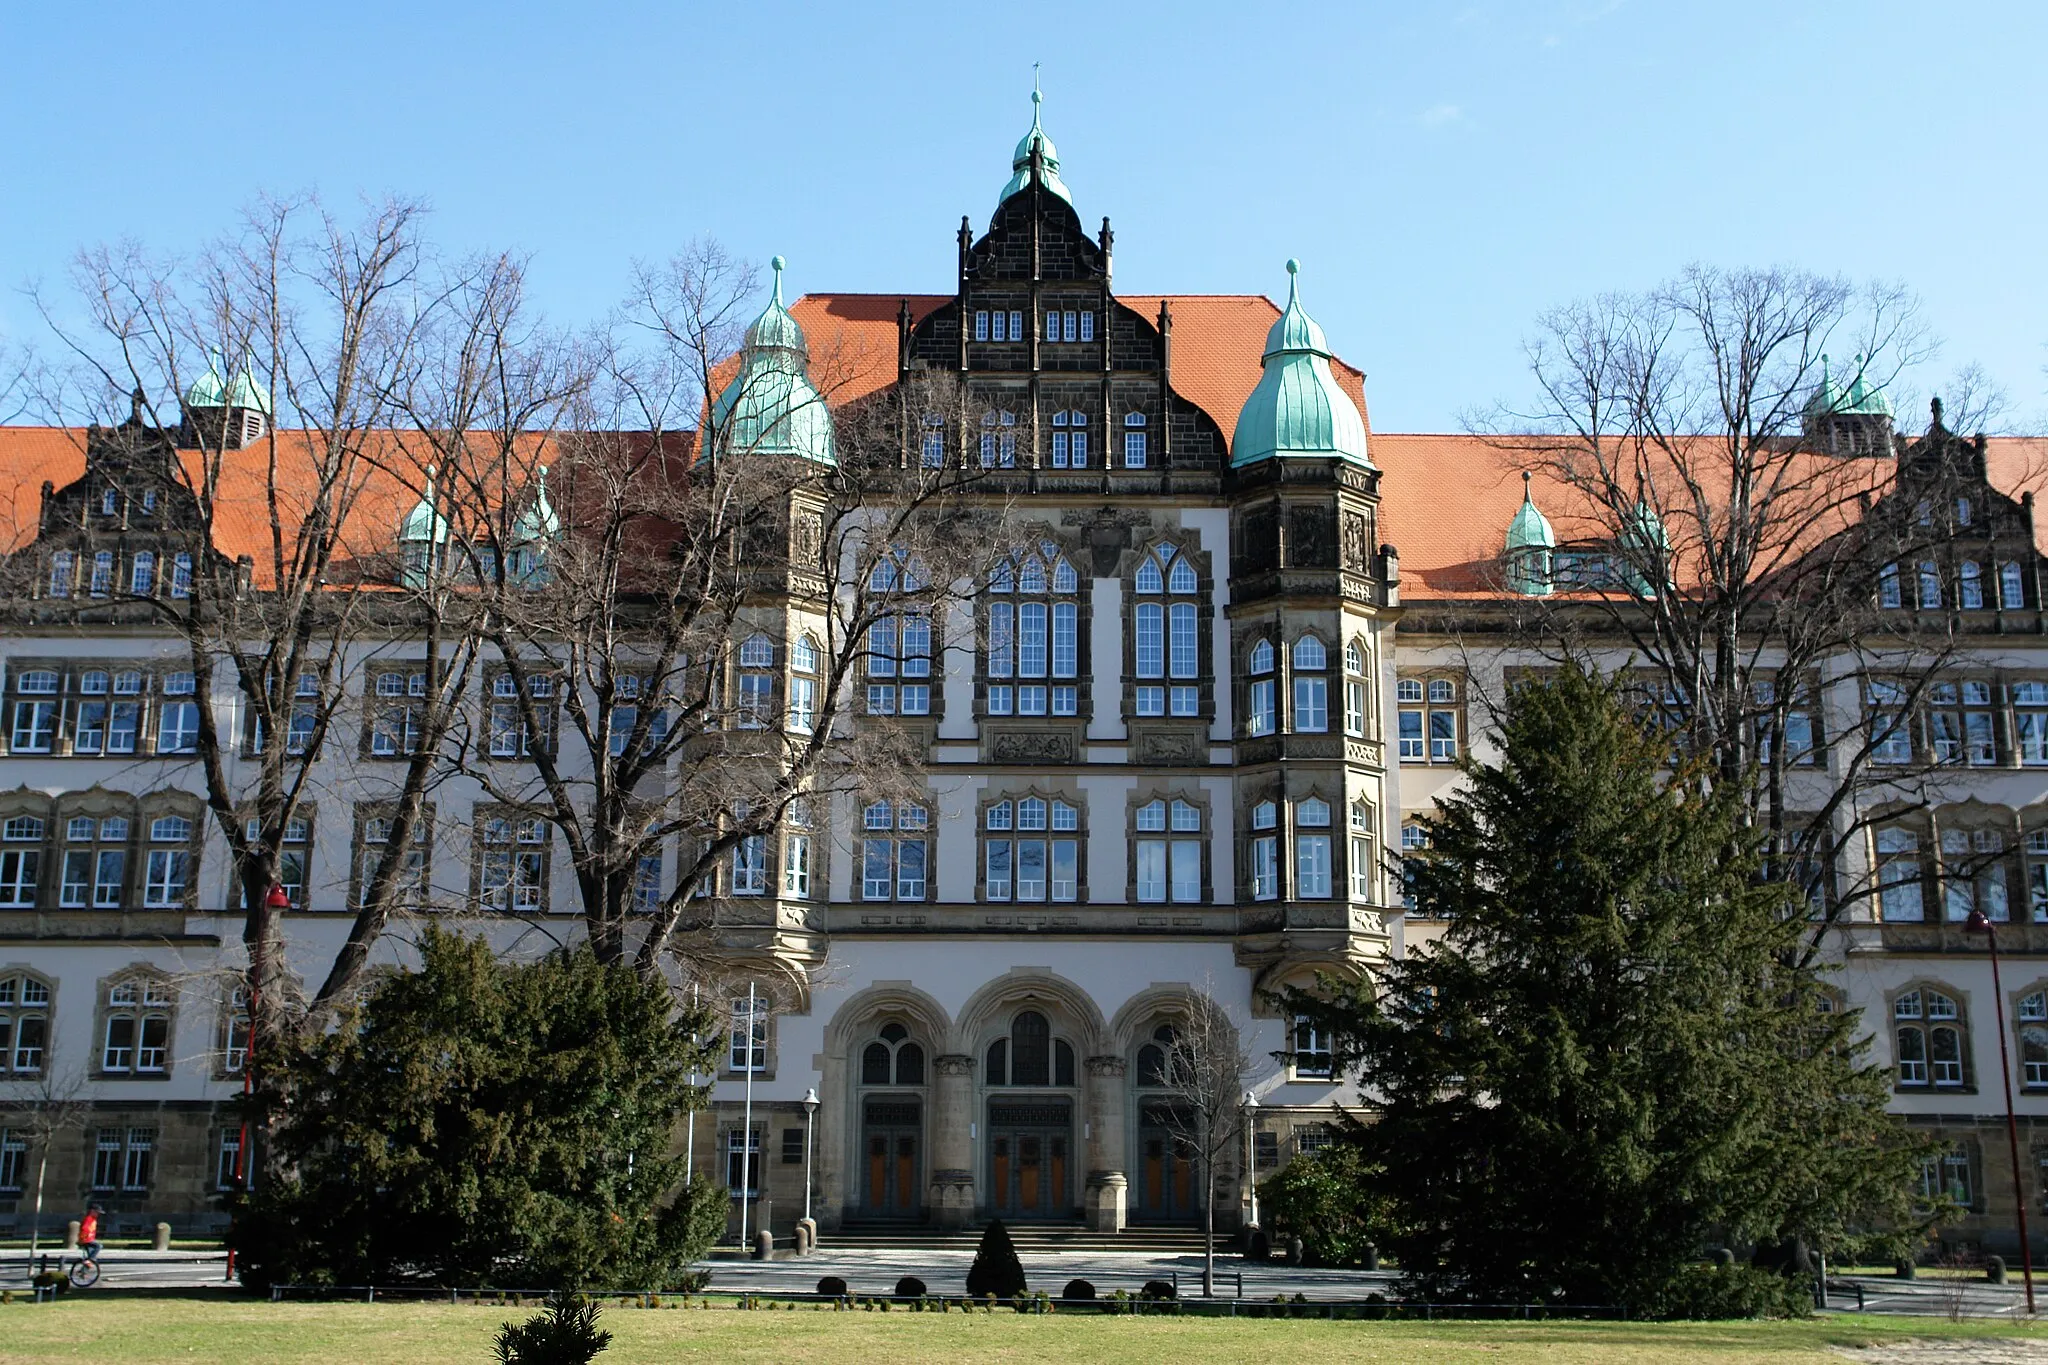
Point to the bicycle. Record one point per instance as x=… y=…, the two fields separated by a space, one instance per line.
x=79 y=1270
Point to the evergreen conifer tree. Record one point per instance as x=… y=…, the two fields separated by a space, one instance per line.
x=1614 y=1059
x=996 y=1269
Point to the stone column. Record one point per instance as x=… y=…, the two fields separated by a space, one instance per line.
x=1108 y=1185
x=951 y=1199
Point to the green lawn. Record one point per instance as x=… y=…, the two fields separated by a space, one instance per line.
x=139 y=1331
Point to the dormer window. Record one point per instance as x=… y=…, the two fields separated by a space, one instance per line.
x=60 y=573
x=932 y=454
x=149 y=502
x=142 y=574
x=103 y=573
x=110 y=502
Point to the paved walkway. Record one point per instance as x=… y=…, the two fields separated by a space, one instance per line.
x=874 y=1272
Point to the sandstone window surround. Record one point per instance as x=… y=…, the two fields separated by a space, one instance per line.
x=100 y=709
x=1031 y=848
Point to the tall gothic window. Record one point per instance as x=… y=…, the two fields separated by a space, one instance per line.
x=1311 y=686
x=1033 y=657
x=1166 y=656
x=899 y=645
x=1030 y=1055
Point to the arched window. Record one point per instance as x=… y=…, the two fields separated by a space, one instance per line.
x=24 y=1024
x=803 y=685
x=102 y=573
x=1135 y=453
x=1031 y=850
x=142 y=574
x=1030 y=1055
x=892 y=1059
x=1930 y=1032
x=1973 y=874
x=756 y=687
x=998 y=439
x=1899 y=875
x=60 y=573
x=1970 y=588
x=1364 y=870
x=1033 y=657
x=2033 y=1031
x=1312 y=849
x=181 y=575
x=1357 y=697
x=2012 y=586
x=1258 y=711
x=1167 y=853
x=1311 y=687
x=1265 y=851
x=1070 y=439
x=1156 y=1058
x=1166 y=653
x=899 y=644
x=136 y=1026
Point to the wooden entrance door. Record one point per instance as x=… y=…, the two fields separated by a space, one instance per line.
x=891 y=1168
x=1028 y=1150
x=1166 y=1177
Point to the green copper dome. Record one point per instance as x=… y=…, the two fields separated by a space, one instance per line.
x=770 y=406
x=1020 y=163
x=1530 y=541
x=1298 y=407
x=209 y=390
x=539 y=522
x=1859 y=398
x=423 y=524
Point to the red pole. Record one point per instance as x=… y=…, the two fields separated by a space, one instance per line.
x=2012 y=1127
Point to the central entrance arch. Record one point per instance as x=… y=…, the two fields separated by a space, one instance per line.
x=892 y=1141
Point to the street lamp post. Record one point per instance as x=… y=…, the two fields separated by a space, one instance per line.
x=1251 y=1142
x=810 y=1114
x=1980 y=923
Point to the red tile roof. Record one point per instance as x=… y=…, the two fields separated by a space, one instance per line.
x=1447 y=498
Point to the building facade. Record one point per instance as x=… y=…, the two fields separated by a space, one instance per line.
x=1175 y=744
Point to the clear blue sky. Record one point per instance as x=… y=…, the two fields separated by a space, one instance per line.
x=1443 y=172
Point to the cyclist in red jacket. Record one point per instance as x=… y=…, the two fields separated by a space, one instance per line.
x=89 y=1232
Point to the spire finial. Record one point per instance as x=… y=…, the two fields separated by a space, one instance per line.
x=1525 y=487
x=1293 y=283
x=778 y=265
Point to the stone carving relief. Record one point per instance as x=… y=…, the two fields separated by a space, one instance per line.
x=1033 y=746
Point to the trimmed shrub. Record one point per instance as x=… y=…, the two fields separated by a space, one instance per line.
x=996 y=1271
x=832 y=1287
x=1158 y=1291
x=910 y=1287
x=1078 y=1291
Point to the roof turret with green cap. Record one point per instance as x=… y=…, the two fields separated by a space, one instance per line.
x=210 y=390
x=539 y=522
x=1530 y=541
x=1858 y=398
x=1298 y=407
x=424 y=524
x=1020 y=163
x=770 y=407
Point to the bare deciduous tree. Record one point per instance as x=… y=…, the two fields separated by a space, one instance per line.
x=1731 y=536
x=40 y=1111
x=1204 y=1075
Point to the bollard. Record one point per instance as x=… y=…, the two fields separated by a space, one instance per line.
x=163 y=1237
x=764 y=1245
x=71 y=1236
